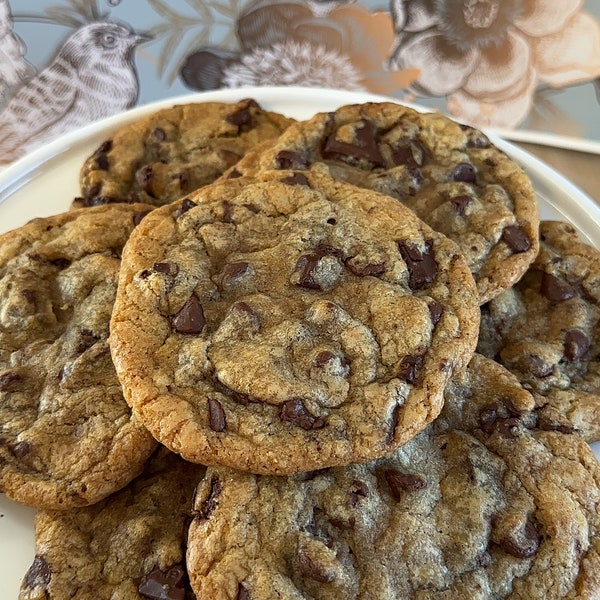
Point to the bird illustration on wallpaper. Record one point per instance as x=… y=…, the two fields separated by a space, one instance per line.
x=92 y=76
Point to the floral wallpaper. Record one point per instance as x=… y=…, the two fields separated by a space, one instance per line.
x=516 y=65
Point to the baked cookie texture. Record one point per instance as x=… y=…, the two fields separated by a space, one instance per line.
x=450 y=175
x=289 y=323
x=173 y=151
x=481 y=504
x=67 y=436
x=546 y=330
x=128 y=546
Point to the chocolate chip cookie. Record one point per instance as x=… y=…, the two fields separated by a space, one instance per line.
x=67 y=436
x=289 y=323
x=129 y=545
x=546 y=329
x=485 y=505
x=449 y=174
x=171 y=152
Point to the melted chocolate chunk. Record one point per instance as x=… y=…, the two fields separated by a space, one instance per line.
x=216 y=415
x=211 y=501
x=436 y=310
x=286 y=159
x=243 y=593
x=460 y=203
x=522 y=543
x=139 y=216
x=400 y=482
x=160 y=134
x=190 y=319
x=144 y=176
x=555 y=289
x=39 y=574
x=410 y=155
x=164 y=585
x=311 y=568
x=234 y=270
x=85 y=340
x=241 y=117
x=295 y=412
x=576 y=344
x=100 y=155
x=516 y=239
x=464 y=172
x=185 y=205
x=422 y=267
x=20 y=449
x=409 y=367
x=360 y=490
x=366 y=270
x=234 y=174
x=508 y=428
x=307 y=265
x=166 y=268
x=296 y=179
x=364 y=147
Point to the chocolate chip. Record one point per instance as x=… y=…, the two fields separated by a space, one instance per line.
x=552 y=420
x=190 y=319
x=410 y=367
x=576 y=344
x=555 y=289
x=366 y=270
x=286 y=159
x=186 y=204
x=400 y=482
x=410 y=155
x=144 y=176
x=216 y=415
x=464 y=172
x=227 y=212
x=422 y=267
x=160 y=134
x=307 y=264
x=475 y=138
x=234 y=270
x=166 y=268
x=169 y=584
x=139 y=216
x=20 y=449
x=243 y=593
x=234 y=174
x=523 y=542
x=311 y=568
x=211 y=501
x=436 y=310
x=360 y=491
x=229 y=157
x=240 y=117
x=487 y=418
x=364 y=147
x=508 y=428
x=296 y=179
x=39 y=574
x=100 y=155
x=516 y=239
x=12 y=381
x=460 y=203
x=85 y=340
x=295 y=412
x=243 y=399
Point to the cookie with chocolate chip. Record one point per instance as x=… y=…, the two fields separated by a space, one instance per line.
x=129 y=545
x=546 y=329
x=169 y=153
x=485 y=505
x=67 y=436
x=451 y=175
x=289 y=323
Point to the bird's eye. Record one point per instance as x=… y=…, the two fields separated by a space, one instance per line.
x=109 y=40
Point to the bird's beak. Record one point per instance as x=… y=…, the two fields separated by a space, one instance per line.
x=141 y=37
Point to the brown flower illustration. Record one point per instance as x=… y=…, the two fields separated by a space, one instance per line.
x=292 y=42
x=489 y=56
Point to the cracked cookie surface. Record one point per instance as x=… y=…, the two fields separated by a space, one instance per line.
x=482 y=504
x=67 y=436
x=546 y=329
x=165 y=155
x=130 y=545
x=451 y=175
x=290 y=323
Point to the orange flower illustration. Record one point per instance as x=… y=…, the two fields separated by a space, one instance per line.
x=489 y=56
x=293 y=42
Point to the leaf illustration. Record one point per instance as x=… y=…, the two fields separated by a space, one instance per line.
x=14 y=69
x=182 y=34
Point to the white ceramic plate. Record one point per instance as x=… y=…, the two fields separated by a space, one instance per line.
x=44 y=183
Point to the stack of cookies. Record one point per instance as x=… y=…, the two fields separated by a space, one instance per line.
x=326 y=359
